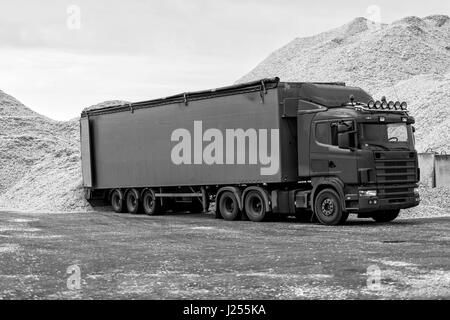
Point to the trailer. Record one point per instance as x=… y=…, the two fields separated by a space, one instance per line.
x=255 y=149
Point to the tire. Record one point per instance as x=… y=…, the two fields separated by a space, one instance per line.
x=132 y=201
x=117 y=201
x=255 y=206
x=150 y=204
x=386 y=215
x=327 y=208
x=229 y=206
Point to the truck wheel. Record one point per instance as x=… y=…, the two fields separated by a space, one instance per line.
x=386 y=215
x=255 y=207
x=132 y=201
x=229 y=207
x=150 y=203
x=327 y=208
x=117 y=202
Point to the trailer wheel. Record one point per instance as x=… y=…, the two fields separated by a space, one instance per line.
x=255 y=207
x=117 y=202
x=386 y=215
x=327 y=208
x=229 y=206
x=132 y=201
x=150 y=203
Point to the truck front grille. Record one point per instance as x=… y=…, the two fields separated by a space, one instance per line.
x=396 y=176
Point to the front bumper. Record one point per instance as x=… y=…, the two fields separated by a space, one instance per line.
x=361 y=204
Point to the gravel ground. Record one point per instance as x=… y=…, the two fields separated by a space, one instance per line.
x=435 y=202
x=195 y=256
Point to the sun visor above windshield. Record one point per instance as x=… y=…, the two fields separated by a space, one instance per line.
x=332 y=95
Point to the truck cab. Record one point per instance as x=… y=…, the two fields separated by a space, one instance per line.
x=361 y=151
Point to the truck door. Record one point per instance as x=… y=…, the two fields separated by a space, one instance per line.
x=327 y=159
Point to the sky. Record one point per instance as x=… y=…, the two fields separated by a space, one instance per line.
x=60 y=56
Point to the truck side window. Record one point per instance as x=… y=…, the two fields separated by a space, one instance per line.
x=323 y=133
x=334 y=134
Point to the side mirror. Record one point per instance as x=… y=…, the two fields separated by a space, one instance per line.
x=344 y=140
x=342 y=128
x=345 y=134
x=414 y=129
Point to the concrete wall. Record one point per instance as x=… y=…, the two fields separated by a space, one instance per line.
x=442 y=167
x=427 y=169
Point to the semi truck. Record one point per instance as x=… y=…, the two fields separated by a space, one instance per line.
x=318 y=151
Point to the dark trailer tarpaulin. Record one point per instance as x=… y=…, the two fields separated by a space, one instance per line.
x=133 y=145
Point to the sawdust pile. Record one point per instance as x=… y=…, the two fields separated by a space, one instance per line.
x=39 y=160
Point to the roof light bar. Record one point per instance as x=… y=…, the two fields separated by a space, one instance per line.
x=384 y=105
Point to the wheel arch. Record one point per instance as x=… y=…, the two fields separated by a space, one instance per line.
x=320 y=184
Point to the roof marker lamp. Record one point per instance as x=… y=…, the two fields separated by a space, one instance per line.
x=404 y=106
x=398 y=105
x=378 y=105
x=371 y=104
x=384 y=105
x=391 y=105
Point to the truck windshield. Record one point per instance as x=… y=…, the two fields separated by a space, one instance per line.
x=385 y=136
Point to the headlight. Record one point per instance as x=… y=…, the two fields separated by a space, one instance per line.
x=416 y=191
x=368 y=193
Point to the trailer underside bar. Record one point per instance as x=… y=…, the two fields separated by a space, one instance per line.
x=171 y=195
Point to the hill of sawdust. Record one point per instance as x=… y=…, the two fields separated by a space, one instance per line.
x=406 y=60
x=40 y=160
x=26 y=138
